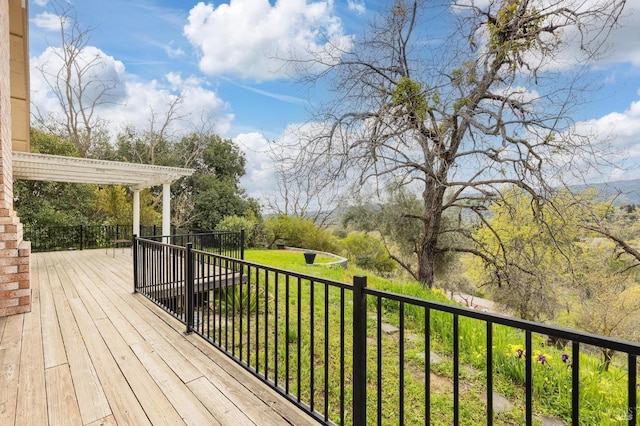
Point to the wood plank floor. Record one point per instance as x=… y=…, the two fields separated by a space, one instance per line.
x=91 y=352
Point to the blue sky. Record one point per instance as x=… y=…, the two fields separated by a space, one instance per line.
x=148 y=38
x=222 y=58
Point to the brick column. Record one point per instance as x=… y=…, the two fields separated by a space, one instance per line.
x=15 y=290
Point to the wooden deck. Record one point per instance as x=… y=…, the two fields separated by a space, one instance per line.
x=93 y=353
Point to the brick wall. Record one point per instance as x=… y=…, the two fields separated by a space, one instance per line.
x=15 y=289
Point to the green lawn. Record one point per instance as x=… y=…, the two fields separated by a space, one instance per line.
x=603 y=393
x=293 y=258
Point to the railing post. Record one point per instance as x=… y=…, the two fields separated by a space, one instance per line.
x=81 y=236
x=189 y=287
x=359 y=350
x=135 y=263
x=633 y=392
x=242 y=244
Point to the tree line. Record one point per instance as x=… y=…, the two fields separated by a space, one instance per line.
x=199 y=201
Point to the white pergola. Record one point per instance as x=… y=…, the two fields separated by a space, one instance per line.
x=56 y=168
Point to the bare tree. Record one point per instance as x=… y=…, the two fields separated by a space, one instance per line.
x=461 y=116
x=160 y=125
x=76 y=80
x=302 y=194
x=153 y=145
x=595 y=218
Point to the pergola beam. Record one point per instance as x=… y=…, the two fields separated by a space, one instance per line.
x=56 y=168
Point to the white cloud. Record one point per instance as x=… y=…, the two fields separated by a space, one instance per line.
x=41 y=3
x=260 y=179
x=47 y=21
x=173 y=52
x=622 y=131
x=357 y=6
x=274 y=95
x=99 y=70
x=624 y=126
x=267 y=159
x=620 y=45
x=250 y=38
x=623 y=42
x=520 y=94
x=132 y=102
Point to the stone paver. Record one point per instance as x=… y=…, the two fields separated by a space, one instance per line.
x=551 y=421
x=389 y=329
x=434 y=358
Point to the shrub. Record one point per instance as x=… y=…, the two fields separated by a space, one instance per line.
x=248 y=299
x=367 y=252
x=251 y=225
x=298 y=232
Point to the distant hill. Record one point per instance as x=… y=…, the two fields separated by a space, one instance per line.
x=626 y=191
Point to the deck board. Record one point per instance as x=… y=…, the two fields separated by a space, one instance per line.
x=9 y=369
x=140 y=320
x=93 y=353
x=89 y=392
x=66 y=271
x=3 y=321
x=30 y=410
x=107 y=421
x=54 y=353
x=223 y=409
x=61 y=397
x=115 y=386
x=149 y=395
x=184 y=401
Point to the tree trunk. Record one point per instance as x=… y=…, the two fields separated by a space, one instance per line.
x=428 y=251
x=426 y=265
x=607 y=357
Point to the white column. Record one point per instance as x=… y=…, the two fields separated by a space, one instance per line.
x=136 y=212
x=166 y=209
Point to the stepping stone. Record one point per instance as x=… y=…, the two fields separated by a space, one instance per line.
x=500 y=403
x=551 y=421
x=413 y=338
x=434 y=358
x=389 y=329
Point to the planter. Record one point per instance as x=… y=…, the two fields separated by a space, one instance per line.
x=309 y=257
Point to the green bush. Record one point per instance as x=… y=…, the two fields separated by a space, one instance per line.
x=249 y=299
x=367 y=252
x=251 y=225
x=298 y=232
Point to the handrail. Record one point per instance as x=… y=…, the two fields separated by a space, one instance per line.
x=325 y=349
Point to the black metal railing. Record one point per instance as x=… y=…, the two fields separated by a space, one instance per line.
x=78 y=237
x=350 y=354
x=84 y=237
x=225 y=243
x=160 y=274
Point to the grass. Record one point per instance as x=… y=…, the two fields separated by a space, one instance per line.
x=305 y=312
x=295 y=259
